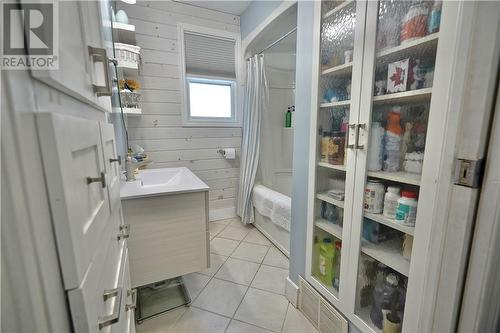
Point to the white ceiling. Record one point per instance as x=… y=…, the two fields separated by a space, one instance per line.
x=235 y=7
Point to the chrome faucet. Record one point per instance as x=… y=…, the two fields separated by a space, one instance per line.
x=130 y=167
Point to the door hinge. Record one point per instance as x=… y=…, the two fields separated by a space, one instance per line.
x=468 y=172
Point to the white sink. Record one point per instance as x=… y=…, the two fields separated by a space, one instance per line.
x=151 y=182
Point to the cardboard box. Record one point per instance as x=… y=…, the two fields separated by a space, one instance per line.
x=397 y=76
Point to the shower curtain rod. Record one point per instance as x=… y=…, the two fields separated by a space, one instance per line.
x=276 y=41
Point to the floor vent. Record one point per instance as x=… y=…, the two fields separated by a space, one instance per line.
x=319 y=312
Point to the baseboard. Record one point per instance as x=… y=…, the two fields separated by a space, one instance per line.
x=221 y=214
x=292 y=292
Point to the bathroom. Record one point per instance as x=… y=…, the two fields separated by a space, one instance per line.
x=250 y=166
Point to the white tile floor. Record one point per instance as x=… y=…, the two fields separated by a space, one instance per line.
x=242 y=292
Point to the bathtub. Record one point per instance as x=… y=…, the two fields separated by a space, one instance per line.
x=272 y=212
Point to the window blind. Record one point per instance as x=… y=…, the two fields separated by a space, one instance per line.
x=209 y=56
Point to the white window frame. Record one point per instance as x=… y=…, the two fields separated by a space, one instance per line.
x=187 y=120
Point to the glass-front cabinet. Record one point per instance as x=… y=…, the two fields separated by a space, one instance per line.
x=377 y=104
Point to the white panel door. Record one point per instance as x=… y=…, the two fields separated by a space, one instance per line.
x=76 y=180
x=111 y=164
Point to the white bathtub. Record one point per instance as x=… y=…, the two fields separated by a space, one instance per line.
x=151 y=182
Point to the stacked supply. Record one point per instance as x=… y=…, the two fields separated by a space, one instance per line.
x=392 y=140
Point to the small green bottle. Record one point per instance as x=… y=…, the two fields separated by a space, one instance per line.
x=288 y=118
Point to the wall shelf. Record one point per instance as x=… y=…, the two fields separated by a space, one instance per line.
x=126 y=33
x=335 y=104
x=343 y=69
x=130 y=111
x=399 y=177
x=388 y=253
x=422 y=46
x=411 y=96
x=329 y=227
x=338 y=8
x=390 y=223
x=332 y=166
x=326 y=198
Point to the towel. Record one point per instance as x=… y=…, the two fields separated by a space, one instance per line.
x=273 y=205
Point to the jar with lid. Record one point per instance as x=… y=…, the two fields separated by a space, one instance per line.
x=373 y=201
x=325 y=142
x=406 y=211
x=391 y=202
x=336 y=148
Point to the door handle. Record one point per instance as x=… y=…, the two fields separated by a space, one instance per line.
x=359 y=127
x=101 y=180
x=124 y=232
x=114 y=317
x=133 y=293
x=100 y=55
x=353 y=131
x=117 y=159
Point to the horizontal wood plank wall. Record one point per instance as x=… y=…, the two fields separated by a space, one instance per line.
x=159 y=129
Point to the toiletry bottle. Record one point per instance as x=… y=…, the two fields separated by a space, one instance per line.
x=288 y=118
x=434 y=18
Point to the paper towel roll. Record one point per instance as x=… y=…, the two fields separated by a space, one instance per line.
x=229 y=153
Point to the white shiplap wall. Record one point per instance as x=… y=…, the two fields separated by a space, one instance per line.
x=159 y=129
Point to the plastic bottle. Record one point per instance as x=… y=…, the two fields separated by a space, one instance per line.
x=326 y=253
x=373 y=200
x=392 y=140
x=376 y=147
x=336 y=265
x=391 y=202
x=414 y=24
x=434 y=18
x=406 y=212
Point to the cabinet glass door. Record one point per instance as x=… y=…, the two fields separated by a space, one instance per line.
x=339 y=63
x=404 y=53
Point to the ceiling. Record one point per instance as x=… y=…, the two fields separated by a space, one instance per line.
x=234 y=7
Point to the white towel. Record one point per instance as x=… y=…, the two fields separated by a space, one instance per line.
x=274 y=205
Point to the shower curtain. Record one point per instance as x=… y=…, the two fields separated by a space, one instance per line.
x=254 y=101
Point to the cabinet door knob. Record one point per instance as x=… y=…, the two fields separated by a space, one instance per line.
x=101 y=180
x=100 y=55
x=352 y=131
x=133 y=293
x=117 y=159
x=114 y=317
x=363 y=127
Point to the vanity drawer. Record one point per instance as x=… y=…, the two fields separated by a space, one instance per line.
x=168 y=236
x=104 y=289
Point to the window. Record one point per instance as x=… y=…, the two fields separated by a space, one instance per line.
x=209 y=63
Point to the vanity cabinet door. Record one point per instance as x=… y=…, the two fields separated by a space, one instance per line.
x=112 y=163
x=79 y=69
x=77 y=185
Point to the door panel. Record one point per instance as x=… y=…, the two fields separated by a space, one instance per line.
x=75 y=175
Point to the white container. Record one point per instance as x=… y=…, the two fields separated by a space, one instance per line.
x=374 y=197
x=391 y=202
x=406 y=212
x=128 y=53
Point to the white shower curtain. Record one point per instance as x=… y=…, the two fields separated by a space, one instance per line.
x=255 y=100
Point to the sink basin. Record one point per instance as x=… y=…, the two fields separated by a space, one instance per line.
x=160 y=177
x=152 y=182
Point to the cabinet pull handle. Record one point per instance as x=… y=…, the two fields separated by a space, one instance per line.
x=133 y=293
x=101 y=180
x=352 y=127
x=117 y=159
x=100 y=55
x=363 y=127
x=124 y=232
x=114 y=317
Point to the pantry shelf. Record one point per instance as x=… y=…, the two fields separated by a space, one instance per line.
x=329 y=227
x=343 y=69
x=399 y=177
x=422 y=47
x=338 y=8
x=411 y=96
x=331 y=166
x=390 y=223
x=335 y=104
x=388 y=253
x=326 y=198
x=126 y=33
